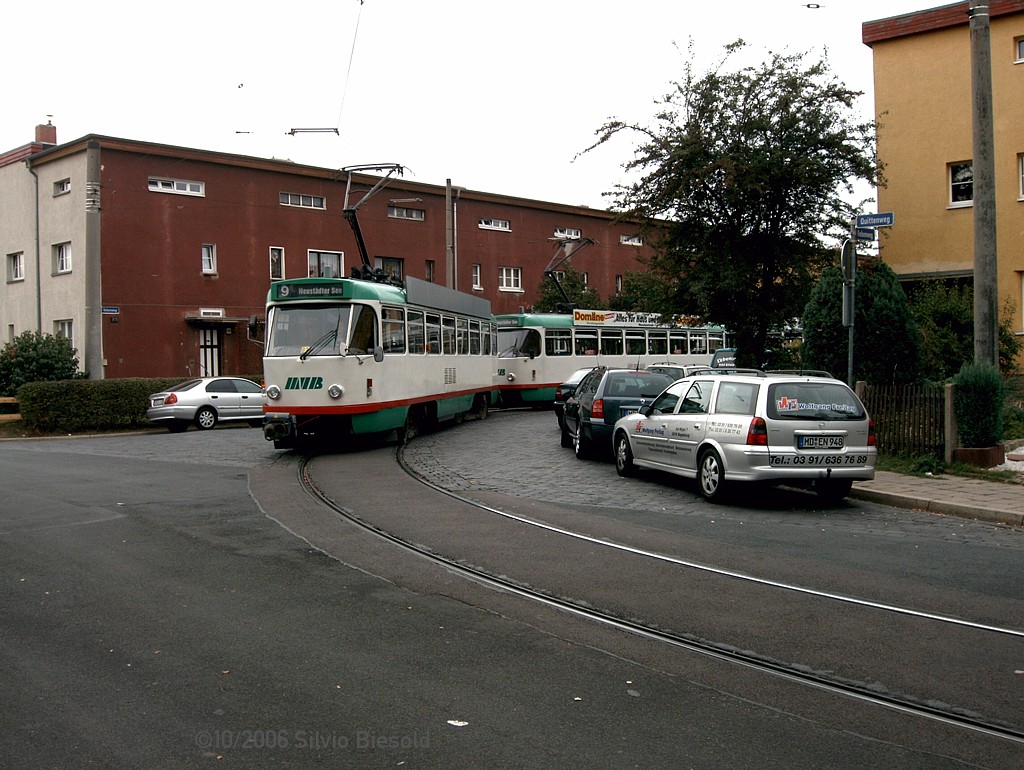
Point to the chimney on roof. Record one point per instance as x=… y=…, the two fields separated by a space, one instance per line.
x=46 y=134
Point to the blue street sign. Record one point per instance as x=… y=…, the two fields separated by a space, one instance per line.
x=110 y=310
x=865 y=233
x=876 y=220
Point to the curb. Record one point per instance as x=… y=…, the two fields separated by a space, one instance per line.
x=938 y=506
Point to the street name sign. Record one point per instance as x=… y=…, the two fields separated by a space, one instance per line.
x=876 y=220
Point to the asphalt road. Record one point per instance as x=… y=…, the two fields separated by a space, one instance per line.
x=177 y=601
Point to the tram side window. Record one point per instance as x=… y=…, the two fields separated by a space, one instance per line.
x=463 y=336
x=699 y=343
x=636 y=342
x=393 y=321
x=417 y=340
x=611 y=342
x=716 y=340
x=677 y=343
x=433 y=326
x=491 y=340
x=657 y=343
x=586 y=342
x=448 y=335
x=558 y=342
x=474 y=338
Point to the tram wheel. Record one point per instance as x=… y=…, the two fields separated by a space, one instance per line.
x=482 y=407
x=411 y=428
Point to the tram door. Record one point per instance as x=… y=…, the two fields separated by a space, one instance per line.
x=209 y=353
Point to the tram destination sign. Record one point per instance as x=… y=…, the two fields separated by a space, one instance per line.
x=886 y=219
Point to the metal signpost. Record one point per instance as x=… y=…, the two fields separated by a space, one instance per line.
x=862 y=228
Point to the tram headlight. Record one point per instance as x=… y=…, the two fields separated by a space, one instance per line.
x=274 y=392
x=335 y=391
x=510 y=377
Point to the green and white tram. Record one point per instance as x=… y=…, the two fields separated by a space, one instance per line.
x=538 y=351
x=346 y=356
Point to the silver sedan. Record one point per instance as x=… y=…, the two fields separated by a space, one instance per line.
x=207 y=401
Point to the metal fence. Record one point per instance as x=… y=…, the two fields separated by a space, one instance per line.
x=909 y=419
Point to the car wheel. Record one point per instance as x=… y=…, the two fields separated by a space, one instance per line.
x=177 y=426
x=710 y=476
x=206 y=418
x=624 y=456
x=580 y=445
x=566 y=438
x=833 y=490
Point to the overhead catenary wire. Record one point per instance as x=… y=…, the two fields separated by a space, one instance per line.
x=348 y=71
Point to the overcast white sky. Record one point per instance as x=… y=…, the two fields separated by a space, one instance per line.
x=497 y=96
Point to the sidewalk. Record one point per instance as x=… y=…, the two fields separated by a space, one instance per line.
x=950 y=495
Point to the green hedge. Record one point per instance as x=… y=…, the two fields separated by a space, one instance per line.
x=74 y=406
x=978 y=405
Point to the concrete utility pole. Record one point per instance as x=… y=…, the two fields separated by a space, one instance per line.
x=986 y=280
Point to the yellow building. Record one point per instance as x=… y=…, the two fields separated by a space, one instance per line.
x=923 y=103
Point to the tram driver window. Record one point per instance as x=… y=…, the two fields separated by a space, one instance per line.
x=364 y=330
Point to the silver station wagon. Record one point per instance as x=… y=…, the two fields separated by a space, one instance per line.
x=783 y=428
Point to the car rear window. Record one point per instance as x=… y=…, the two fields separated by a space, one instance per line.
x=181 y=386
x=634 y=385
x=813 y=401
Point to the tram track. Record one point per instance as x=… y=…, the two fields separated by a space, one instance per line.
x=924 y=708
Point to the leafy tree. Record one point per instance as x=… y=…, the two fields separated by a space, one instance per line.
x=945 y=316
x=643 y=292
x=740 y=180
x=578 y=292
x=35 y=357
x=886 y=342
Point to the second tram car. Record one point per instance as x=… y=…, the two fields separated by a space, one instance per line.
x=538 y=351
x=346 y=356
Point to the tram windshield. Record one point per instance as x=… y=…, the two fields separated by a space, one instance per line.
x=513 y=343
x=320 y=330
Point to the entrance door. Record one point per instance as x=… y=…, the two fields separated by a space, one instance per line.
x=209 y=353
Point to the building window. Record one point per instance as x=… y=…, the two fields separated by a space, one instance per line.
x=429 y=274
x=177 y=186
x=400 y=212
x=631 y=240
x=392 y=267
x=961 y=184
x=478 y=283
x=1018 y=50
x=486 y=223
x=209 y=252
x=16 y=266
x=510 y=279
x=325 y=264
x=65 y=329
x=63 y=187
x=61 y=258
x=568 y=232
x=586 y=279
x=1020 y=176
x=276 y=263
x=303 y=201
x=618 y=284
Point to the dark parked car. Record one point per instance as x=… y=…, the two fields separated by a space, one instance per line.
x=206 y=402
x=602 y=397
x=566 y=389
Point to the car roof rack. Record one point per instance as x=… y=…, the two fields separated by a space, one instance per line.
x=803 y=372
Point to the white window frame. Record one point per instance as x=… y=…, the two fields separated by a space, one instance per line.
x=208 y=253
x=402 y=212
x=321 y=256
x=177 y=186
x=278 y=252
x=62 y=258
x=16 y=267
x=510 y=279
x=477 y=276
x=1020 y=177
x=62 y=187
x=488 y=223
x=950 y=170
x=571 y=233
x=631 y=240
x=1018 y=50
x=65 y=327
x=618 y=284
x=303 y=201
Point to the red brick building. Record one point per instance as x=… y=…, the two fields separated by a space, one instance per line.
x=152 y=258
